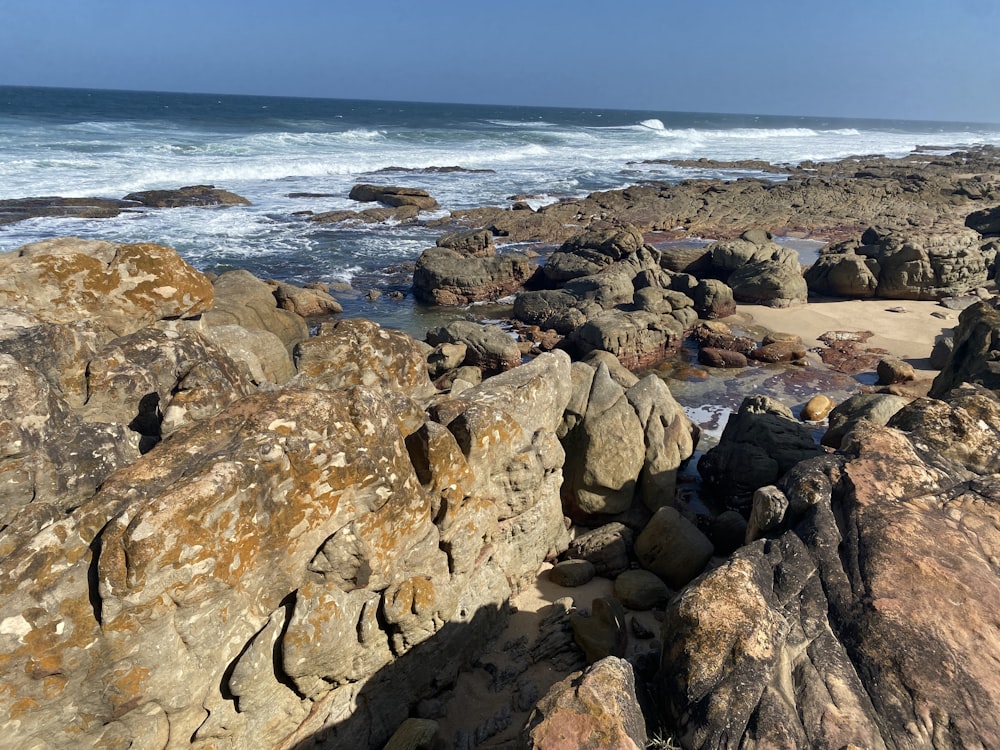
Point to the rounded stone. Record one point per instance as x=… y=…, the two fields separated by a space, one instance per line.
x=572 y=573
x=817 y=408
x=641 y=590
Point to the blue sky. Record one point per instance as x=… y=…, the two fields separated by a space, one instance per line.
x=913 y=59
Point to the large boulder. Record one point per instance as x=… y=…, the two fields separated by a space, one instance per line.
x=123 y=286
x=901 y=265
x=488 y=347
x=304 y=564
x=360 y=352
x=975 y=352
x=637 y=339
x=809 y=638
x=393 y=196
x=243 y=299
x=193 y=195
x=445 y=276
x=605 y=451
x=760 y=271
x=596 y=708
x=760 y=442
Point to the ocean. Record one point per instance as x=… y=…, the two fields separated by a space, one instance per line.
x=76 y=142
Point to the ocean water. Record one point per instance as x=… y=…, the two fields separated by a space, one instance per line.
x=74 y=142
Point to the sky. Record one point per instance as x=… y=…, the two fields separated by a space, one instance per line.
x=907 y=59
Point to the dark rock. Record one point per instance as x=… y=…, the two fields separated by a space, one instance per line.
x=608 y=547
x=975 y=355
x=876 y=408
x=603 y=632
x=19 y=209
x=760 y=442
x=444 y=276
x=641 y=590
x=194 y=195
x=673 y=548
x=572 y=573
x=722 y=358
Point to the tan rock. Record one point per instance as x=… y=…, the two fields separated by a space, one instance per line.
x=123 y=286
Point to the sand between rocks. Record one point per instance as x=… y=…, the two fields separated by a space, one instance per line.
x=908 y=334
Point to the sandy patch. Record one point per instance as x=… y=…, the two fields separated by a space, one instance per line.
x=908 y=335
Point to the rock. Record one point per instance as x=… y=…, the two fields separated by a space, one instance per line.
x=445 y=357
x=843 y=274
x=444 y=276
x=893 y=370
x=608 y=548
x=713 y=299
x=360 y=352
x=641 y=590
x=769 y=283
x=673 y=548
x=487 y=347
x=901 y=265
x=984 y=221
x=415 y=734
x=876 y=408
x=602 y=633
x=759 y=271
x=305 y=302
x=260 y=354
x=393 y=196
x=637 y=339
x=767 y=512
x=553 y=308
x=721 y=358
x=759 y=444
x=51 y=460
x=474 y=243
x=242 y=299
x=762 y=647
x=194 y=195
x=965 y=430
x=670 y=438
x=974 y=357
x=728 y=532
x=572 y=573
x=124 y=287
x=300 y=549
x=605 y=452
x=595 y=708
x=943 y=345
x=158 y=380
x=817 y=408
x=779 y=351
x=19 y=209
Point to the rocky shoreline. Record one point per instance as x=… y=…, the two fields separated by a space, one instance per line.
x=228 y=523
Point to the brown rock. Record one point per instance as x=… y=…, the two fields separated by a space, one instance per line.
x=597 y=708
x=195 y=195
x=123 y=286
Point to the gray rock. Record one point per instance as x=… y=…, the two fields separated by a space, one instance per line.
x=572 y=573
x=608 y=547
x=767 y=513
x=641 y=590
x=605 y=452
x=760 y=442
x=876 y=408
x=242 y=299
x=673 y=548
x=603 y=632
x=974 y=356
x=488 y=347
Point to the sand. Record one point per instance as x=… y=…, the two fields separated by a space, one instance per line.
x=906 y=328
